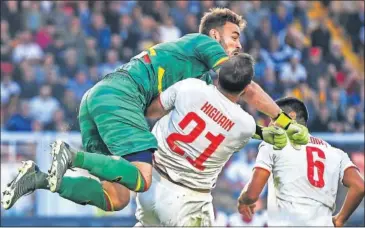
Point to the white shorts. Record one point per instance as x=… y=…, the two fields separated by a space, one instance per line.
x=168 y=204
x=295 y=214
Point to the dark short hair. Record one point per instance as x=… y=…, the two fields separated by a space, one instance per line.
x=236 y=73
x=292 y=104
x=218 y=17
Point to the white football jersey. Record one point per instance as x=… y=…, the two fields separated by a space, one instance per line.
x=305 y=181
x=199 y=135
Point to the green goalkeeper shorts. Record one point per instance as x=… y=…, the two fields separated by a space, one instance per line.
x=112 y=118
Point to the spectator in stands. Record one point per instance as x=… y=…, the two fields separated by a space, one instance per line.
x=205 y=6
x=315 y=66
x=336 y=108
x=354 y=25
x=112 y=62
x=168 y=31
x=323 y=91
x=37 y=126
x=254 y=17
x=100 y=31
x=280 y=19
x=71 y=67
x=321 y=37
x=334 y=77
x=276 y=56
x=20 y=121
x=58 y=119
x=191 y=24
x=38 y=104
x=293 y=72
x=179 y=12
x=92 y=54
x=57 y=49
x=76 y=39
x=80 y=84
x=28 y=84
x=352 y=122
x=239 y=171
x=148 y=32
x=10 y=90
x=94 y=75
x=303 y=92
x=260 y=65
x=44 y=36
x=55 y=82
x=352 y=88
x=33 y=16
x=129 y=33
x=116 y=44
x=48 y=66
x=5 y=42
x=156 y=9
x=270 y=85
x=321 y=120
x=300 y=12
x=70 y=105
x=9 y=11
x=26 y=49
x=334 y=55
x=263 y=34
x=111 y=15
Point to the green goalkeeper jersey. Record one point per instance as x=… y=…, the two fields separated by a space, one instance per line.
x=191 y=56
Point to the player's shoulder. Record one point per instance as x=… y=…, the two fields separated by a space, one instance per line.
x=198 y=37
x=325 y=146
x=265 y=146
x=320 y=143
x=192 y=85
x=195 y=83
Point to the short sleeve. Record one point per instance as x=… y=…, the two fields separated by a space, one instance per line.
x=345 y=164
x=264 y=158
x=210 y=52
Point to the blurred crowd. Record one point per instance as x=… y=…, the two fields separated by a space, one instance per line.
x=52 y=52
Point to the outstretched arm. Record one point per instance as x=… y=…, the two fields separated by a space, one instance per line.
x=255 y=96
x=251 y=192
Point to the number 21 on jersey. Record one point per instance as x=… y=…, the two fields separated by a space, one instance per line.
x=313 y=165
x=215 y=140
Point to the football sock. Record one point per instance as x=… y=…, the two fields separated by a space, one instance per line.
x=111 y=169
x=85 y=190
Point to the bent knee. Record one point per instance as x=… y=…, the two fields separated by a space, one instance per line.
x=117 y=195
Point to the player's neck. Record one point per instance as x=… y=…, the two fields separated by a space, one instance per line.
x=233 y=98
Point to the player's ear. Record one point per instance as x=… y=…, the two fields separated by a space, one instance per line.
x=215 y=34
x=293 y=115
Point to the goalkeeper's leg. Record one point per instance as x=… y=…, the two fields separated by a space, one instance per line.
x=112 y=122
x=82 y=190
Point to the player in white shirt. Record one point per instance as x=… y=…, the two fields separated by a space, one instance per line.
x=195 y=139
x=305 y=179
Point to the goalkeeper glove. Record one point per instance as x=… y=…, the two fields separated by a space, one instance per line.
x=297 y=133
x=272 y=135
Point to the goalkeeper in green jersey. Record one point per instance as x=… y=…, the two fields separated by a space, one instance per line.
x=117 y=143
